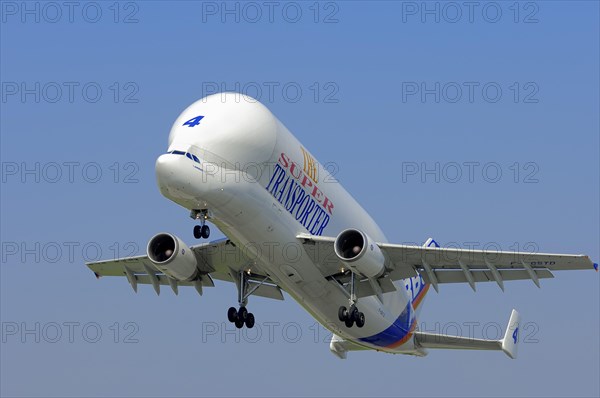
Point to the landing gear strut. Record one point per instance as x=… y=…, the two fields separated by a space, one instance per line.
x=241 y=316
x=351 y=315
x=202 y=230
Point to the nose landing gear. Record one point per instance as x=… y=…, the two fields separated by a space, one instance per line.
x=202 y=230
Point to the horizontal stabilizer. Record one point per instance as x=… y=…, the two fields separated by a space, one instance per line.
x=508 y=344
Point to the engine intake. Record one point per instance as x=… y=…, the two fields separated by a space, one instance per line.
x=174 y=258
x=360 y=253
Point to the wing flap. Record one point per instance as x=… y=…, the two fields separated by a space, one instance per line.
x=164 y=281
x=450 y=276
x=364 y=288
x=266 y=290
x=320 y=250
x=117 y=267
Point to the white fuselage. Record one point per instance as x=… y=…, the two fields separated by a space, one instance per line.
x=262 y=188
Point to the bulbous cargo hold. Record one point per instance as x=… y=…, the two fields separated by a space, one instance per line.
x=234 y=127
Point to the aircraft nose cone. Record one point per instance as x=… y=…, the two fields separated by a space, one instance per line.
x=171 y=174
x=165 y=167
x=192 y=183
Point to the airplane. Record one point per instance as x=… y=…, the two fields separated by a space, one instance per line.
x=291 y=227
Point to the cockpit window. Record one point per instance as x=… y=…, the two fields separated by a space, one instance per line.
x=188 y=155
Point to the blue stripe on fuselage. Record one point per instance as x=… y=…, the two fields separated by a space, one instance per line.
x=395 y=332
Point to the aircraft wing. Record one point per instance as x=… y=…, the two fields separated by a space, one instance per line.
x=220 y=260
x=450 y=265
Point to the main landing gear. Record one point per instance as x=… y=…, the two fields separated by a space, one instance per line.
x=351 y=315
x=202 y=230
x=241 y=316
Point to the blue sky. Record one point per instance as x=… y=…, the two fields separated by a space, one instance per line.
x=403 y=99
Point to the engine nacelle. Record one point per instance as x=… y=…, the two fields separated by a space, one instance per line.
x=174 y=258
x=360 y=253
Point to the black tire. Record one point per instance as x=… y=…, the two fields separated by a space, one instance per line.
x=342 y=314
x=239 y=323
x=242 y=313
x=353 y=313
x=205 y=231
x=360 y=321
x=232 y=314
x=349 y=322
x=250 y=321
x=197 y=231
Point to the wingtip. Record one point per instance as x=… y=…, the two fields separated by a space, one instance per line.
x=596 y=266
x=509 y=343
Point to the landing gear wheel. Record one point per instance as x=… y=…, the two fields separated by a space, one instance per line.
x=353 y=313
x=232 y=314
x=205 y=231
x=250 y=320
x=197 y=231
x=239 y=323
x=342 y=314
x=360 y=320
x=351 y=316
x=242 y=314
x=349 y=322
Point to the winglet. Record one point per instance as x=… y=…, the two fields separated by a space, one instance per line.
x=431 y=243
x=511 y=337
x=596 y=266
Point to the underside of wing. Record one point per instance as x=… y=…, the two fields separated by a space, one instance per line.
x=220 y=260
x=450 y=265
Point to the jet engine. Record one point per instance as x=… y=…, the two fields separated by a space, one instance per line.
x=360 y=253
x=174 y=258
